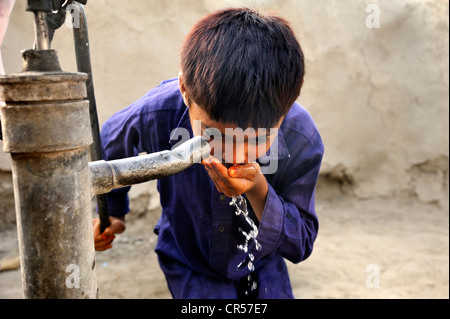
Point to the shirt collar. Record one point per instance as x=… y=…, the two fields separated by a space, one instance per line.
x=277 y=151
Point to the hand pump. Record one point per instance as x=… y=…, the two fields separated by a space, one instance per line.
x=47 y=127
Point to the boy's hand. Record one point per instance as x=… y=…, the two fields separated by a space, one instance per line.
x=235 y=180
x=103 y=241
x=240 y=179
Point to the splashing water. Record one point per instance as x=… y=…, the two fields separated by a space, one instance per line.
x=240 y=204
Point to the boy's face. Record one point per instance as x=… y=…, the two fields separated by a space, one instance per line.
x=229 y=143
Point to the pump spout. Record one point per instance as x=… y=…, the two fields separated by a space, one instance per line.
x=109 y=175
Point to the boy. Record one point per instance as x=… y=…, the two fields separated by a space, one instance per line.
x=239 y=69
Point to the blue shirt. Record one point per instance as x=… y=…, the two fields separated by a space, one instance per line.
x=198 y=229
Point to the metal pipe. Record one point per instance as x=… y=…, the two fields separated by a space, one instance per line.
x=42 y=40
x=106 y=176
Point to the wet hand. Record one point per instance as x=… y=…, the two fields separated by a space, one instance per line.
x=235 y=180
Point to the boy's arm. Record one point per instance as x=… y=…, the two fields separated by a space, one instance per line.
x=288 y=222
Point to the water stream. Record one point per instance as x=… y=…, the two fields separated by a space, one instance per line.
x=240 y=204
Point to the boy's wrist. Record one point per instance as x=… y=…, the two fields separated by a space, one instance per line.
x=258 y=195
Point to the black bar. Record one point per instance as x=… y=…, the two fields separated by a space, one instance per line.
x=82 y=52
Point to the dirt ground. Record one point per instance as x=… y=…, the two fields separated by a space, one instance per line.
x=405 y=240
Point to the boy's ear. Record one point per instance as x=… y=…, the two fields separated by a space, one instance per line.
x=183 y=89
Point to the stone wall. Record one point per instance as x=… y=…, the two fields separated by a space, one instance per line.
x=378 y=95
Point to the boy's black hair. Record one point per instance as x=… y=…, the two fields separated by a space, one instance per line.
x=243 y=67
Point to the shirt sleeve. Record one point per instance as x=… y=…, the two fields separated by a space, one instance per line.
x=289 y=224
